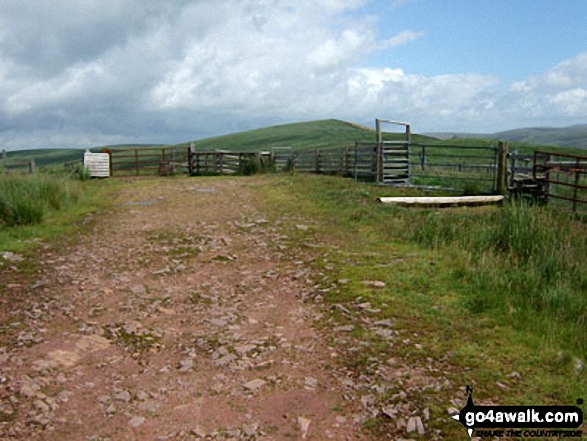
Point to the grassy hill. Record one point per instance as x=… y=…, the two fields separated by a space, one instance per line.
x=571 y=136
x=45 y=157
x=303 y=135
x=330 y=133
x=58 y=157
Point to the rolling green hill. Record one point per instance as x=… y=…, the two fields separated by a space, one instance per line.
x=45 y=157
x=58 y=157
x=303 y=135
x=571 y=136
x=329 y=133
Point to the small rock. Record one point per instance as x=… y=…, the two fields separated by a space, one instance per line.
x=368 y=400
x=503 y=386
x=250 y=429
x=41 y=406
x=420 y=426
x=254 y=385
x=198 y=432
x=346 y=328
x=412 y=425
x=426 y=414
x=11 y=257
x=243 y=349
x=389 y=411
x=304 y=425
x=40 y=420
x=186 y=365
x=225 y=361
x=138 y=290
x=302 y=227
x=374 y=283
x=29 y=388
x=452 y=411
x=310 y=383
x=142 y=396
x=6 y=410
x=136 y=421
x=148 y=406
x=123 y=396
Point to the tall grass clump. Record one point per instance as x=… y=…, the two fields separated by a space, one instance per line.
x=522 y=263
x=26 y=199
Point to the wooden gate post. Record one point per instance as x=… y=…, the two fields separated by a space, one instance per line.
x=576 y=188
x=378 y=152
x=502 y=170
x=191 y=154
x=318 y=154
x=137 y=161
x=4 y=161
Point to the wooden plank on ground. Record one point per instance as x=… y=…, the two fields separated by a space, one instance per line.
x=439 y=201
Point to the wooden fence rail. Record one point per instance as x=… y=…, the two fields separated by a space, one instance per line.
x=564 y=178
x=17 y=166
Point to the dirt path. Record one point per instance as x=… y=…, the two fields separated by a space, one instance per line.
x=180 y=316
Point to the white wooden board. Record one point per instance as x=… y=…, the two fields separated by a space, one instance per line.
x=439 y=200
x=97 y=164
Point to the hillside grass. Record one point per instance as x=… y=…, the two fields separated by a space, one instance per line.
x=45 y=206
x=299 y=136
x=495 y=291
x=320 y=134
x=26 y=199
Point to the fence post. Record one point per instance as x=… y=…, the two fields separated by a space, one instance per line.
x=4 y=161
x=576 y=188
x=513 y=157
x=501 y=184
x=191 y=150
x=378 y=152
x=32 y=166
x=356 y=164
x=111 y=170
x=137 y=161
x=423 y=158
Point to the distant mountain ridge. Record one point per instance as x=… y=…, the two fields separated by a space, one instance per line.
x=571 y=136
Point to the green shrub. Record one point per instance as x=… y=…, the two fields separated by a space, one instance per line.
x=249 y=168
x=25 y=199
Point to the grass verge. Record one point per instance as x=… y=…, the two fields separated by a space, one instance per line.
x=40 y=207
x=495 y=296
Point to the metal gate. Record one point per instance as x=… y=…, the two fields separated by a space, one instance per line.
x=395 y=162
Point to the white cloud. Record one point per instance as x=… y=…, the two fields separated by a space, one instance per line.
x=400 y=39
x=168 y=71
x=560 y=93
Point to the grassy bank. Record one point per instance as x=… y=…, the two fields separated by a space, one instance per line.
x=499 y=293
x=26 y=199
x=45 y=206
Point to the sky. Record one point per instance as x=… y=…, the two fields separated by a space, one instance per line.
x=83 y=73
